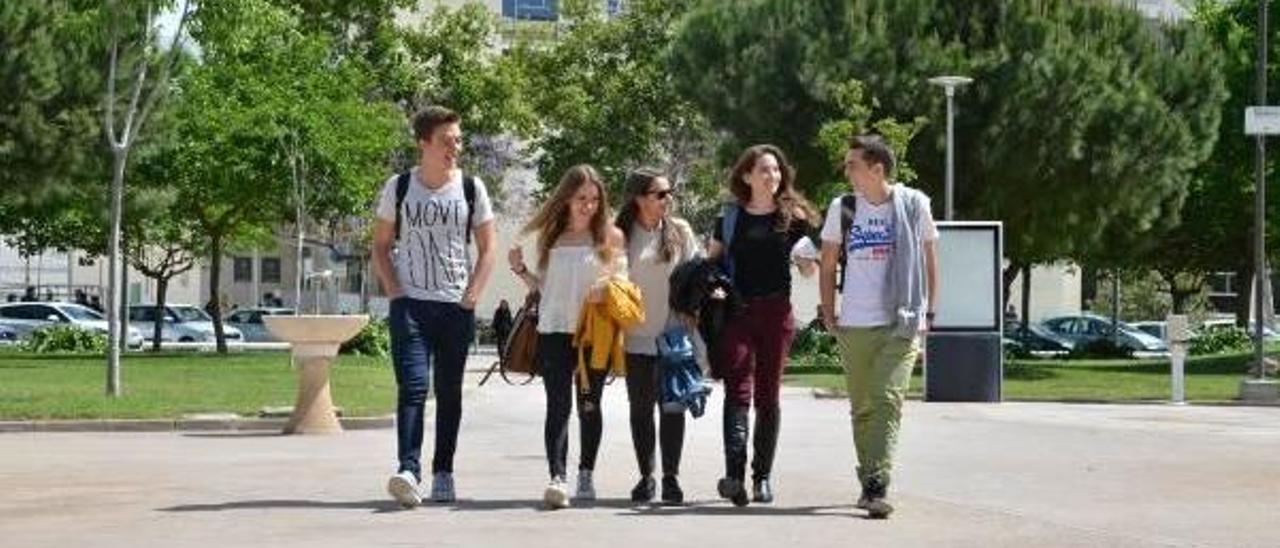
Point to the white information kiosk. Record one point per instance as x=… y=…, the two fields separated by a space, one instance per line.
x=964 y=359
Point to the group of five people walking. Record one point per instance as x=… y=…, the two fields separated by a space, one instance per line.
x=882 y=234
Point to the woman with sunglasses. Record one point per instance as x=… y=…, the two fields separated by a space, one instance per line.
x=656 y=243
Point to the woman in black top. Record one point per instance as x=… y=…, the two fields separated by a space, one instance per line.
x=768 y=218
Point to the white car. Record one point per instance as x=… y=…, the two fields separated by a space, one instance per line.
x=249 y=322
x=1228 y=323
x=27 y=317
x=181 y=323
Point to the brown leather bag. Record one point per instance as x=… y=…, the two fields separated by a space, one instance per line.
x=520 y=354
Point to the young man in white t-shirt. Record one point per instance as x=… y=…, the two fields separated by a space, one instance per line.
x=890 y=247
x=422 y=258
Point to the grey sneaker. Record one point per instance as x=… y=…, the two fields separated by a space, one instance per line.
x=404 y=488
x=878 y=508
x=556 y=496
x=873 y=500
x=586 y=487
x=442 y=487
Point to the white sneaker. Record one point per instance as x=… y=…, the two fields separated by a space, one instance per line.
x=442 y=488
x=404 y=488
x=556 y=496
x=586 y=487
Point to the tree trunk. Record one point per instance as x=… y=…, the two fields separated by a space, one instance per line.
x=162 y=287
x=1026 y=299
x=1180 y=299
x=124 y=294
x=1244 y=294
x=114 y=277
x=1088 y=288
x=1115 y=307
x=215 y=286
x=364 y=285
x=1009 y=275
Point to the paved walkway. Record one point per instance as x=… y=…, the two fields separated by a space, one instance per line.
x=971 y=475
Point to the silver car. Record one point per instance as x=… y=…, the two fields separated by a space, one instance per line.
x=27 y=317
x=8 y=335
x=181 y=323
x=249 y=322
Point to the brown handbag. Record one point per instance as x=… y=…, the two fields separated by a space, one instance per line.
x=520 y=354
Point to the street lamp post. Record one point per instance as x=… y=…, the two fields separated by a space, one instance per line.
x=949 y=84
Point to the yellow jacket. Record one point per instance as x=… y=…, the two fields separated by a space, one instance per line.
x=602 y=324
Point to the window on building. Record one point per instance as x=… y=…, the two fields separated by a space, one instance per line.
x=1222 y=283
x=242 y=269
x=530 y=10
x=271 y=270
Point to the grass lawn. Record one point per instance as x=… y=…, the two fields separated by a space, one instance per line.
x=1209 y=379
x=168 y=386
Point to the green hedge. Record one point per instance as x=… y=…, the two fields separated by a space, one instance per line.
x=66 y=338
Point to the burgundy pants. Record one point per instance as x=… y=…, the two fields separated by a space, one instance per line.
x=753 y=351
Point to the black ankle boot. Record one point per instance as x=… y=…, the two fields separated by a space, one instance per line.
x=643 y=491
x=766 y=446
x=736 y=432
x=671 y=491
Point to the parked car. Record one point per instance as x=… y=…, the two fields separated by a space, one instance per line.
x=1087 y=328
x=249 y=322
x=181 y=323
x=1268 y=334
x=1036 y=338
x=27 y=317
x=1157 y=329
x=8 y=335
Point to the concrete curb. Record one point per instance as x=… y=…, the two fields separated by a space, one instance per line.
x=178 y=425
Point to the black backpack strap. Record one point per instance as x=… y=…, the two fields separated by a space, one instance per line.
x=469 y=193
x=848 y=211
x=402 y=188
x=728 y=226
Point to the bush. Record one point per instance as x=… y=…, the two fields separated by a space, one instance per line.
x=1220 y=340
x=372 y=340
x=1102 y=349
x=66 y=338
x=814 y=347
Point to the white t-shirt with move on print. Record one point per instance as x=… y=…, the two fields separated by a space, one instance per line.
x=433 y=261
x=868 y=248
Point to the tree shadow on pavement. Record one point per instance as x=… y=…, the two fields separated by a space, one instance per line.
x=377 y=506
x=719 y=508
x=465 y=505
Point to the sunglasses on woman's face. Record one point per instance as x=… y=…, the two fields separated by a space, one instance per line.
x=661 y=194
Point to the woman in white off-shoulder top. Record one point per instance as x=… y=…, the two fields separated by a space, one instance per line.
x=576 y=247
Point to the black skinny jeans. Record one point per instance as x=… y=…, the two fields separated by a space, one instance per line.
x=644 y=385
x=558 y=359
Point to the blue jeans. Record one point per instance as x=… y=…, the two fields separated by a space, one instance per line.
x=426 y=334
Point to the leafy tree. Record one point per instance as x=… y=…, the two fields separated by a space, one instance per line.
x=1217 y=229
x=1085 y=120
x=51 y=85
x=604 y=96
x=258 y=121
x=131 y=32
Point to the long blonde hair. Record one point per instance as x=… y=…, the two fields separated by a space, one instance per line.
x=552 y=218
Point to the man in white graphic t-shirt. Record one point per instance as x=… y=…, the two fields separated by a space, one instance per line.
x=427 y=217
x=883 y=234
